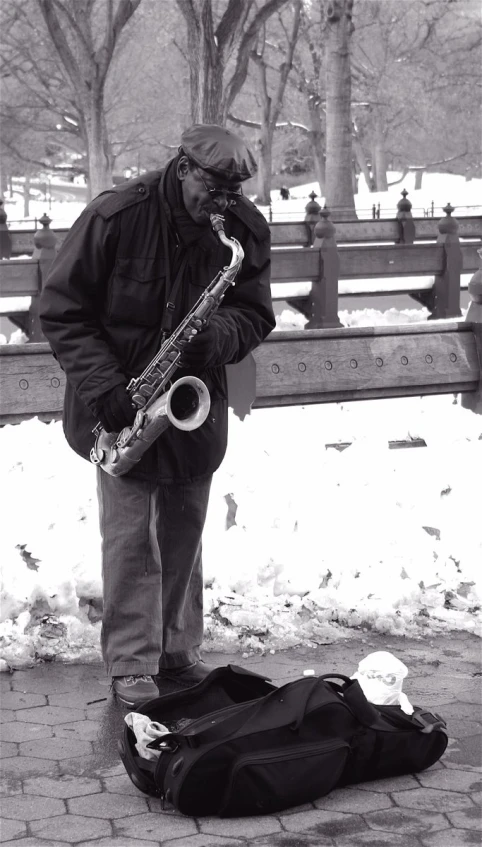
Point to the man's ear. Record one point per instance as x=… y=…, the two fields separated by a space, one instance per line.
x=183 y=168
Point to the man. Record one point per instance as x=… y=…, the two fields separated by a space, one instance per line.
x=131 y=267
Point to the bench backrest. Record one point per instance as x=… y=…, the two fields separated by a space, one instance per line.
x=300 y=367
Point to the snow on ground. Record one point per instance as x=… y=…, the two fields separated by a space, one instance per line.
x=304 y=543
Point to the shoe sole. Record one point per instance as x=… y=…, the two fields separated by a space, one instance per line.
x=131 y=704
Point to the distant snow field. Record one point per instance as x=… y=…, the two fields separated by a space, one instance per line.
x=304 y=543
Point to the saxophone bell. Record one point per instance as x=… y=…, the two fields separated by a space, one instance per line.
x=185 y=405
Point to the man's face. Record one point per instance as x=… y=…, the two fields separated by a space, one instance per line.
x=202 y=195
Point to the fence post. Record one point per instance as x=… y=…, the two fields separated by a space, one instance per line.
x=406 y=226
x=312 y=216
x=446 y=289
x=45 y=242
x=5 y=237
x=324 y=291
x=473 y=400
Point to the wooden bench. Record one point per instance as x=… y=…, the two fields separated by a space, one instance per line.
x=332 y=271
x=302 y=367
x=401 y=229
x=320 y=274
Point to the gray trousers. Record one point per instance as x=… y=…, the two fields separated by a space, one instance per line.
x=152 y=573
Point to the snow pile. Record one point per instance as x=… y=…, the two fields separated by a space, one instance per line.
x=304 y=542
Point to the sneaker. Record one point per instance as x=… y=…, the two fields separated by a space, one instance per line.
x=183 y=677
x=131 y=691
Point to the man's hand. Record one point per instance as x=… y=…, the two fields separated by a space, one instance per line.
x=202 y=350
x=117 y=411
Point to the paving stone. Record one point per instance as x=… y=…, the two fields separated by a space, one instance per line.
x=21 y=700
x=121 y=785
x=451 y=838
x=385 y=786
x=7 y=715
x=107 y=806
x=5 y=682
x=45 y=684
x=432 y=799
x=34 y=842
x=250 y=827
x=470 y=695
x=463 y=767
x=22 y=767
x=381 y=839
x=9 y=786
x=52 y=715
x=322 y=823
x=464 y=751
x=80 y=766
x=85 y=730
x=469 y=818
x=155 y=827
x=207 y=840
x=452 y=780
x=71 y=828
x=287 y=839
x=406 y=820
x=27 y=807
x=10 y=829
x=455 y=711
x=55 y=748
x=120 y=842
x=62 y=787
x=8 y=749
x=293 y=810
x=20 y=731
x=462 y=728
x=154 y=805
x=78 y=699
x=356 y=802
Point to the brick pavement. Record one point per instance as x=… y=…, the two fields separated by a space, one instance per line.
x=63 y=784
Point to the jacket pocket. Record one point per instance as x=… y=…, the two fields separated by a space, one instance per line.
x=136 y=291
x=271 y=780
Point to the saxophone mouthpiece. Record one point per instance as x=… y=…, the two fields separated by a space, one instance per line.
x=217 y=222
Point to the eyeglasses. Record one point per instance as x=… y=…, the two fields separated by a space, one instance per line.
x=214 y=192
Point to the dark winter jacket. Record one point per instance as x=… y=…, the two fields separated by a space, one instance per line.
x=102 y=305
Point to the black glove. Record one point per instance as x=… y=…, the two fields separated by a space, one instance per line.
x=116 y=410
x=202 y=351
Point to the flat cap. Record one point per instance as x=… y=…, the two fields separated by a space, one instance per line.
x=219 y=151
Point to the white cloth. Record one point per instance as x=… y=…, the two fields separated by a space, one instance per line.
x=381 y=676
x=145 y=731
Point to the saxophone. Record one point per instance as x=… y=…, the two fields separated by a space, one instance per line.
x=185 y=403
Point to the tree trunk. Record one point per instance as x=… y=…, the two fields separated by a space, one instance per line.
x=26 y=195
x=380 y=157
x=263 y=178
x=97 y=145
x=362 y=162
x=316 y=137
x=418 y=178
x=339 y=189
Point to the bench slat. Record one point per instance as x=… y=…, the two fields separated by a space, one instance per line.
x=308 y=369
x=297 y=367
x=19 y=277
x=296 y=232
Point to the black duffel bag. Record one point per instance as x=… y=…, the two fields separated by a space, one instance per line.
x=240 y=746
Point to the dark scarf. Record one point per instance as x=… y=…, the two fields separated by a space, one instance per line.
x=189 y=232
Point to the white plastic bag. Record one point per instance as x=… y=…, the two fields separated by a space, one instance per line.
x=381 y=677
x=145 y=731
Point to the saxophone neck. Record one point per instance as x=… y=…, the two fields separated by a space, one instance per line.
x=217 y=223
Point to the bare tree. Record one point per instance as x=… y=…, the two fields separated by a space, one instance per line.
x=339 y=185
x=218 y=53
x=271 y=106
x=73 y=26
